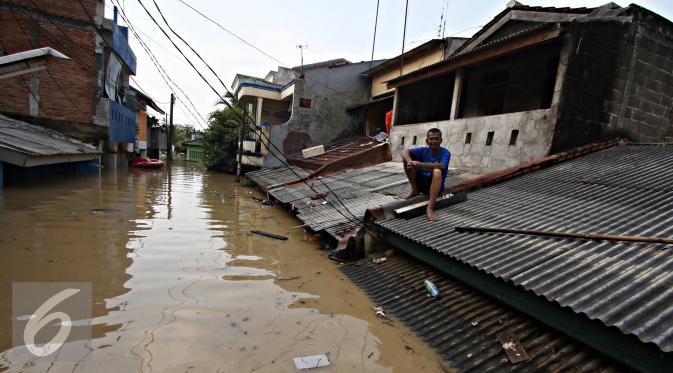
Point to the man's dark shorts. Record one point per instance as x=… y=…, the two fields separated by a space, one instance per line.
x=423 y=183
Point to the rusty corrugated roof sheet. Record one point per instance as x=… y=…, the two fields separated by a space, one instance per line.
x=336 y=151
x=623 y=190
x=464 y=324
x=358 y=189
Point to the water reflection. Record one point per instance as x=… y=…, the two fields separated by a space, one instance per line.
x=179 y=283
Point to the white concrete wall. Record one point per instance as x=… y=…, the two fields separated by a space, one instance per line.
x=536 y=131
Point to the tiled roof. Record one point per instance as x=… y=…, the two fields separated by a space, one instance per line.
x=623 y=190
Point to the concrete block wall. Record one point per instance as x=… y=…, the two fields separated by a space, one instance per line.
x=619 y=81
x=594 y=82
x=536 y=130
x=648 y=105
x=70 y=93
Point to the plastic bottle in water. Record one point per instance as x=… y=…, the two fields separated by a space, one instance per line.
x=432 y=289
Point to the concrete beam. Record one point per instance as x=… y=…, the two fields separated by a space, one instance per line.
x=510 y=46
x=457 y=90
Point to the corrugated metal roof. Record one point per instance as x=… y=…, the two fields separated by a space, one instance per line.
x=624 y=190
x=359 y=189
x=35 y=140
x=335 y=151
x=464 y=324
x=275 y=176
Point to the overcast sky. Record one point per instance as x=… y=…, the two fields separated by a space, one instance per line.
x=331 y=29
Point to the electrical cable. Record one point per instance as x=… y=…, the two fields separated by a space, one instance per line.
x=60 y=89
x=162 y=72
x=229 y=92
x=265 y=53
x=243 y=119
x=71 y=53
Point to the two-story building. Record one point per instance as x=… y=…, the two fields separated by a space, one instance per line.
x=85 y=96
x=301 y=107
x=539 y=80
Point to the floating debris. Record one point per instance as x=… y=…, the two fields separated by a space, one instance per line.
x=432 y=289
x=513 y=348
x=271 y=235
x=380 y=312
x=287 y=278
x=103 y=210
x=310 y=362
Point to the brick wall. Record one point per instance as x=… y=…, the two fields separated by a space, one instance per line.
x=648 y=106
x=68 y=92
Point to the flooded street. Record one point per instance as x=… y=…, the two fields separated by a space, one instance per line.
x=180 y=285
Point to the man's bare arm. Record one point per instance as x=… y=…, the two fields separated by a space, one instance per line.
x=406 y=155
x=429 y=166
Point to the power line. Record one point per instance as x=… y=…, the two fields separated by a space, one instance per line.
x=235 y=101
x=162 y=72
x=243 y=119
x=70 y=52
x=60 y=89
x=263 y=52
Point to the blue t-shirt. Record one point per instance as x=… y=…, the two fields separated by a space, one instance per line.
x=424 y=154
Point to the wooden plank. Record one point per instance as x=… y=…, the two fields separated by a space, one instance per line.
x=418 y=209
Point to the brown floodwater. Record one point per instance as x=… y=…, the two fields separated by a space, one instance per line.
x=180 y=285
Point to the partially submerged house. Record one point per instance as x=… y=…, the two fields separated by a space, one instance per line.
x=194 y=151
x=301 y=107
x=537 y=80
x=85 y=96
x=144 y=121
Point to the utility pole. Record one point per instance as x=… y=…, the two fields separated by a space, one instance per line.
x=301 y=52
x=239 y=162
x=169 y=146
x=404 y=35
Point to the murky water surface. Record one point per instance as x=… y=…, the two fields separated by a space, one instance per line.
x=180 y=285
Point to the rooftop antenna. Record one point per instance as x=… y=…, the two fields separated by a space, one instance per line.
x=301 y=52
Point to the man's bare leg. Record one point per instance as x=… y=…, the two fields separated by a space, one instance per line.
x=434 y=193
x=411 y=175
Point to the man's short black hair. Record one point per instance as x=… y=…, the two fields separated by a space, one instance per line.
x=433 y=130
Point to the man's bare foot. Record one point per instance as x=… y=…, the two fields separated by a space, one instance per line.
x=412 y=194
x=431 y=215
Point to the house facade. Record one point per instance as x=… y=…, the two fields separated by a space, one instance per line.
x=85 y=96
x=302 y=107
x=538 y=80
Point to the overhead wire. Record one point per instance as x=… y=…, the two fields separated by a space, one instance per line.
x=73 y=54
x=99 y=33
x=244 y=119
x=60 y=88
x=265 y=53
x=162 y=72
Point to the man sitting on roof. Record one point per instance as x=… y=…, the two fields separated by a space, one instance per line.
x=426 y=167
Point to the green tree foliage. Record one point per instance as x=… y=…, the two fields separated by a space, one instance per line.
x=182 y=133
x=220 y=140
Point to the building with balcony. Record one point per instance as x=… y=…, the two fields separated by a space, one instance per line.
x=300 y=107
x=540 y=80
